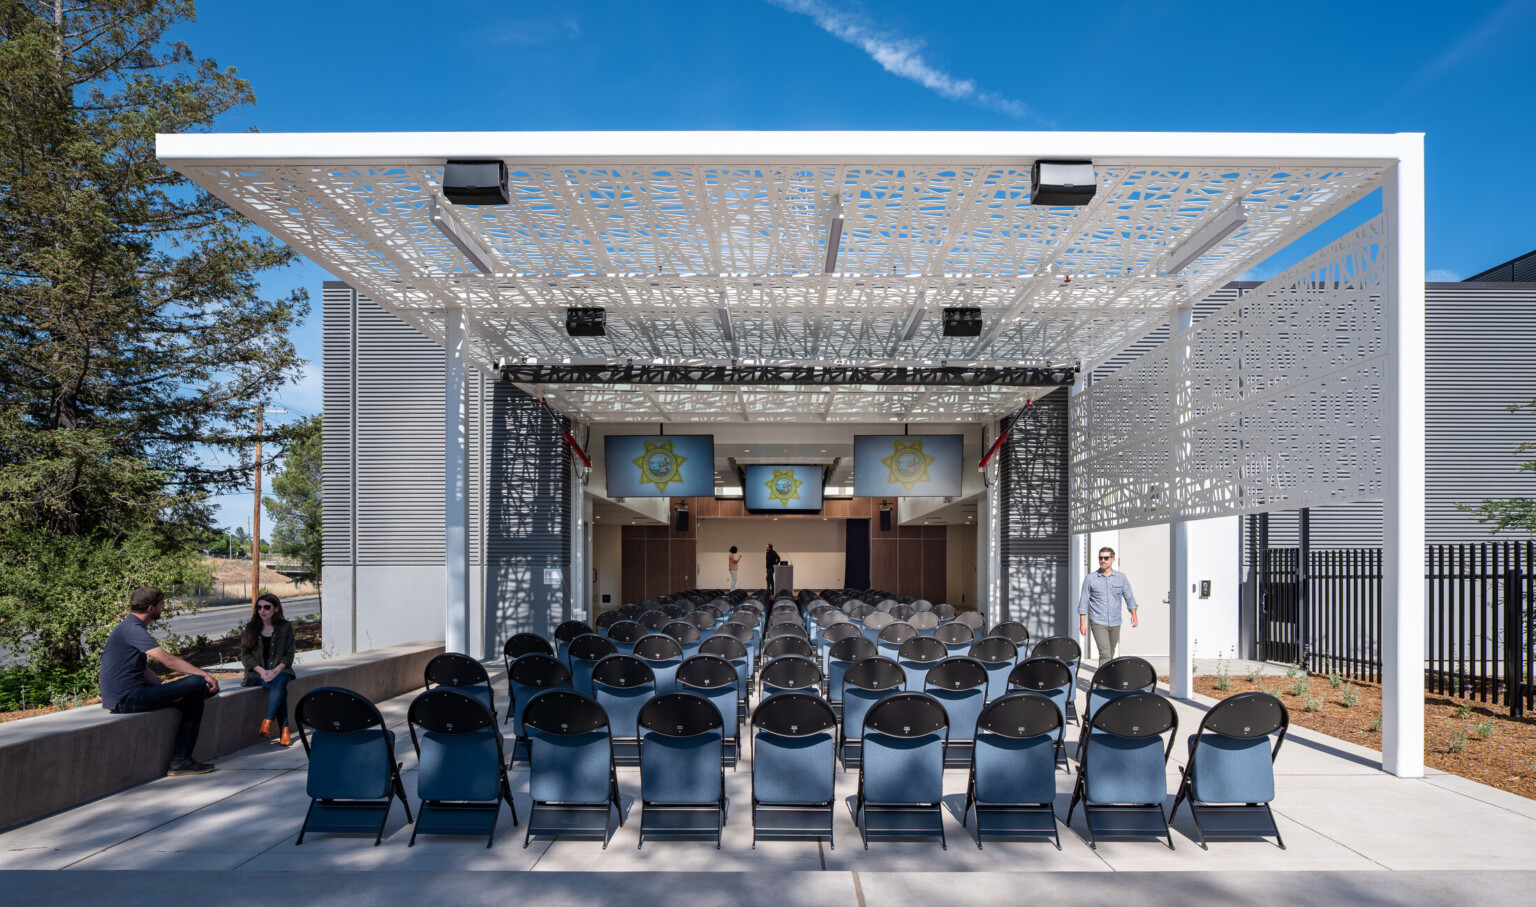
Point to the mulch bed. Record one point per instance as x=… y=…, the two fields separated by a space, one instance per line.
x=1453 y=742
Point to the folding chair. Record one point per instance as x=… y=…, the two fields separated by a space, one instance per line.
x=461 y=774
x=663 y=654
x=1114 y=679
x=621 y=684
x=866 y=682
x=462 y=673
x=585 y=651
x=624 y=635
x=960 y=685
x=1048 y=677
x=892 y=636
x=673 y=610
x=1230 y=778
x=791 y=627
x=924 y=622
x=999 y=654
x=653 y=620
x=831 y=635
x=1067 y=649
x=563 y=636
x=353 y=776
x=788 y=645
x=605 y=620
x=735 y=652
x=840 y=657
x=794 y=765
x=682 y=784
x=916 y=656
x=571 y=777
x=945 y=612
x=901 y=773
x=973 y=619
x=1013 y=631
x=1013 y=769
x=874 y=622
x=520 y=644
x=713 y=678
x=1121 y=774
x=531 y=675
x=686 y=634
x=703 y=621
x=791 y=673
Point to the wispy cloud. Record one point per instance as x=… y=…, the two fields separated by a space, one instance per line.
x=1440 y=275
x=527 y=32
x=1504 y=21
x=901 y=56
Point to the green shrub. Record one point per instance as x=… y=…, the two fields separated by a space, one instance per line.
x=1458 y=742
x=1254 y=673
x=1301 y=687
x=1464 y=711
x=1223 y=681
x=1313 y=703
x=1335 y=679
x=1376 y=725
x=23 y=688
x=1350 y=697
x=1484 y=729
x=1291 y=673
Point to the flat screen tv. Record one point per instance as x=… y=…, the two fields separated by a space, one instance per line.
x=782 y=489
x=655 y=466
x=909 y=466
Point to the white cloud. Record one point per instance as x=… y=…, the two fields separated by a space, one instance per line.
x=1439 y=275
x=527 y=32
x=901 y=56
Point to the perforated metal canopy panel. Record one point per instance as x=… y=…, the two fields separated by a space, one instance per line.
x=667 y=231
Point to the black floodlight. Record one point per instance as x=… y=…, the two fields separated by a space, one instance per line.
x=476 y=183
x=586 y=322
x=962 y=321
x=1062 y=183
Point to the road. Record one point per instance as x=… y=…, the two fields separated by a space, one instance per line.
x=215 y=622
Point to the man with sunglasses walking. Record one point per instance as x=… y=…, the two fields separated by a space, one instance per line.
x=127 y=684
x=1098 y=606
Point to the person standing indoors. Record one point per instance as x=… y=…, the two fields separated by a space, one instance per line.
x=1098 y=606
x=735 y=561
x=127 y=684
x=773 y=561
x=266 y=650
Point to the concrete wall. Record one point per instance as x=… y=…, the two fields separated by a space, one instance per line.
x=608 y=561
x=960 y=577
x=817 y=548
x=54 y=762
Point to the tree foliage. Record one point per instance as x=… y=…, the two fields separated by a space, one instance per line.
x=1514 y=513
x=134 y=341
x=295 y=503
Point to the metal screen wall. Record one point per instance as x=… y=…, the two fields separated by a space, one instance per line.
x=1033 y=500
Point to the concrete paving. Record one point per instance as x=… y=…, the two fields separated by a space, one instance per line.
x=1350 y=830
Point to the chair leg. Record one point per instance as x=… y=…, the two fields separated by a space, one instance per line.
x=506 y=791
x=1166 y=830
x=305 y=827
x=1275 y=825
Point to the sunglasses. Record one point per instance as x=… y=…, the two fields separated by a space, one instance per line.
x=266 y=607
x=1106 y=558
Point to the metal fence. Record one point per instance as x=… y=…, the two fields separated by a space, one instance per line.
x=1322 y=611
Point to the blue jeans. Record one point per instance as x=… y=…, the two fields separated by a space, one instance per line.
x=277 y=697
x=186 y=695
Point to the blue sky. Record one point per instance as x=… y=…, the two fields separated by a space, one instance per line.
x=1460 y=73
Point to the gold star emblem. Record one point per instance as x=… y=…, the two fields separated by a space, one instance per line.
x=659 y=465
x=907 y=464
x=783 y=487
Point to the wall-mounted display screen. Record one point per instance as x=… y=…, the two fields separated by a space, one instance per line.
x=782 y=489
x=907 y=465
x=652 y=466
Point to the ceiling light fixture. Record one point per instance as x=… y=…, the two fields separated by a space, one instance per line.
x=915 y=317
x=1204 y=239
x=461 y=239
x=834 y=234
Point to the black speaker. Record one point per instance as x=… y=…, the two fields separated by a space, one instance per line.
x=586 y=321
x=885 y=521
x=962 y=321
x=476 y=182
x=1062 y=183
x=680 y=521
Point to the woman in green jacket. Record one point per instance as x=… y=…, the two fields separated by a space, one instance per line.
x=266 y=650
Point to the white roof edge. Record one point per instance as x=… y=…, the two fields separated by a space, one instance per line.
x=1104 y=148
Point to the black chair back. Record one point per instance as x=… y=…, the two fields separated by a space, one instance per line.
x=1128 y=672
x=627 y=632
x=860 y=611
x=700 y=620
x=958 y=673
x=737 y=632
x=788 y=645
x=994 y=650
x=608 y=619
x=875 y=673
x=1136 y=716
x=1063 y=647
x=451 y=669
x=540 y=671
x=1246 y=716
x=564 y=713
x=792 y=628
x=836 y=632
x=791 y=672
x=922 y=649
x=680 y=715
x=853 y=648
x=520 y=644
x=622 y=671
x=658 y=647
x=709 y=672
x=682 y=631
x=723 y=647
x=897 y=632
x=654 y=620
x=973 y=619
x=907 y=715
x=878 y=620
x=1021 y=716
x=1012 y=630
x=337 y=711
x=924 y=620
x=447 y=711
x=673 y=611
x=1040 y=672
x=794 y=715
x=570 y=630
x=954 y=633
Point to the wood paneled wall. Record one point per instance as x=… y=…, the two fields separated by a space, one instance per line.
x=909 y=560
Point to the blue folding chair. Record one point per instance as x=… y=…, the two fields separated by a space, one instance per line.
x=621 y=684
x=462 y=673
x=682 y=784
x=999 y=655
x=901 y=774
x=713 y=678
x=531 y=675
x=956 y=637
x=1121 y=778
x=735 y=652
x=892 y=636
x=874 y=622
x=571 y=778
x=563 y=636
x=1012 y=786
x=687 y=636
x=624 y=635
x=794 y=766
x=606 y=620
x=840 y=657
x=791 y=673
x=973 y=619
x=1114 y=679
x=780 y=646
x=353 y=776
x=1230 y=778
x=830 y=636
x=1067 y=649
x=924 y=622
x=584 y=652
x=663 y=654
x=653 y=620
x=866 y=682
x=916 y=656
x=960 y=685
x=704 y=621
x=461 y=774
x=1014 y=632
x=1048 y=677
x=520 y=644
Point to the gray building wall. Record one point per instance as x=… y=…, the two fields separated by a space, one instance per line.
x=383 y=483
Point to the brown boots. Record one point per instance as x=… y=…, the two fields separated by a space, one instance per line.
x=266 y=727
x=284 y=739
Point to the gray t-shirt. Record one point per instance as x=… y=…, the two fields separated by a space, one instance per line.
x=123 y=663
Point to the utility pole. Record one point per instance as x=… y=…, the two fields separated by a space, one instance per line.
x=256 y=510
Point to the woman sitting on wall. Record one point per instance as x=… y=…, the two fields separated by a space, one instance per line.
x=266 y=650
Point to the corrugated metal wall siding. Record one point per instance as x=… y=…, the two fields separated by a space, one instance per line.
x=1033 y=504
x=383 y=478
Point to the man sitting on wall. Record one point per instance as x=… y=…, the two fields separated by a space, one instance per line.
x=127 y=684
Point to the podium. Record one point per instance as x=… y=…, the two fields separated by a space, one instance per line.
x=783 y=578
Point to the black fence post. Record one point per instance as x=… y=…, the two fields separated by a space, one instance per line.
x=1514 y=642
x=1304 y=593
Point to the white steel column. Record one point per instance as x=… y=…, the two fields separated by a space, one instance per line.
x=455 y=484
x=991 y=553
x=1077 y=566
x=1403 y=609
x=1180 y=659
x=577 y=601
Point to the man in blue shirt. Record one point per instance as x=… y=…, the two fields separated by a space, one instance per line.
x=1098 y=607
x=127 y=684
